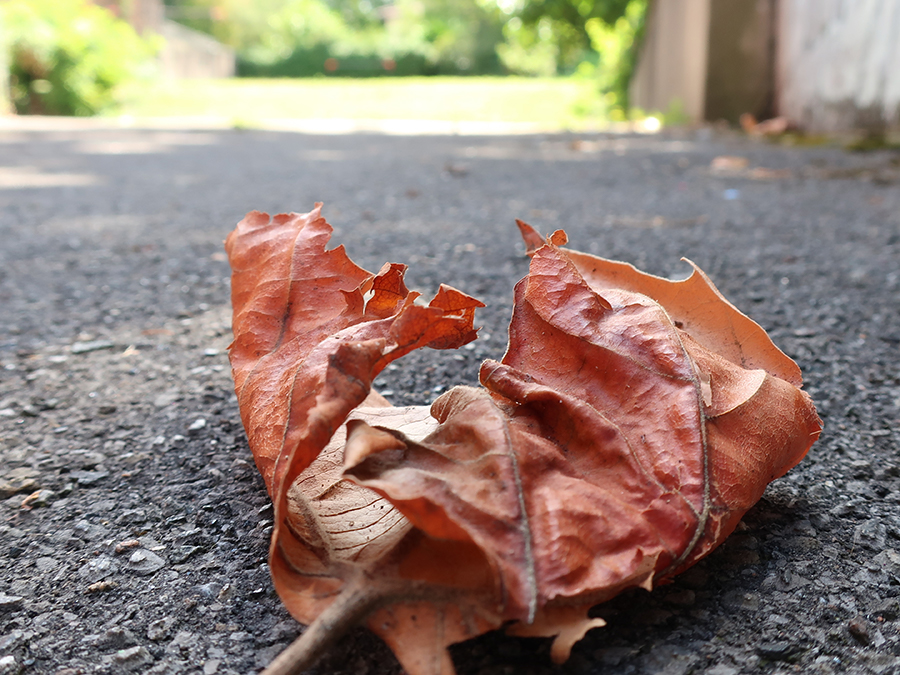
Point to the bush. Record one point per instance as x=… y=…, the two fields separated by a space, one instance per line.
x=66 y=57
x=617 y=45
x=301 y=38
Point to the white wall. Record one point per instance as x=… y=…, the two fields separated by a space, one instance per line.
x=838 y=63
x=188 y=53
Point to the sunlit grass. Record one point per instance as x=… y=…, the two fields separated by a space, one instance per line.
x=548 y=103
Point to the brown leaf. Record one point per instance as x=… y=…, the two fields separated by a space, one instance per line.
x=630 y=425
x=728 y=164
x=307 y=346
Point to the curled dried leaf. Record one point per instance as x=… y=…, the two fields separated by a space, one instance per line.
x=631 y=423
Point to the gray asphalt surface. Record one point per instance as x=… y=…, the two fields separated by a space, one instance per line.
x=141 y=545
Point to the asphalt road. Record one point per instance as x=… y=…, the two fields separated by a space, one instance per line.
x=141 y=544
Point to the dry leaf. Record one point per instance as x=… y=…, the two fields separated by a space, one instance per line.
x=728 y=164
x=630 y=425
x=770 y=127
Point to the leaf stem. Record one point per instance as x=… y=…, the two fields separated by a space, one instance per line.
x=350 y=607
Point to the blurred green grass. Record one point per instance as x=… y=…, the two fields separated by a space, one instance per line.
x=551 y=103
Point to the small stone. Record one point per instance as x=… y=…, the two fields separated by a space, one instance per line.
x=265 y=656
x=97 y=569
x=9 y=666
x=210 y=590
x=83 y=459
x=88 y=478
x=159 y=629
x=183 y=553
x=882 y=664
x=133 y=657
x=116 y=638
x=123 y=546
x=9 y=602
x=721 y=669
x=788 y=581
x=90 y=346
x=777 y=651
x=889 y=561
x=859 y=629
x=38 y=499
x=183 y=642
x=888 y=609
x=166 y=398
x=144 y=562
x=211 y=666
x=197 y=424
x=12 y=641
x=88 y=531
x=9 y=488
x=745 y=601
x=283 y=630
x=100 y=587
x=46 y=564
x=871 y=534
x=131 y=516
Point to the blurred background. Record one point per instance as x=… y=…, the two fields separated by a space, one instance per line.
x=771 y=66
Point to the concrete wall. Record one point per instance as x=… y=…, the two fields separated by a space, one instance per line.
x=839 y=63
x=826 y=65
x=741 y=59
x=188 y=53
x=671 y=70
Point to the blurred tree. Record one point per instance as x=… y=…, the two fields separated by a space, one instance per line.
x=67 y=57
x=355 y=37
x=458 y=36
x=422 y=37
x=616 y=45
x=564 y=24
x=361 y=13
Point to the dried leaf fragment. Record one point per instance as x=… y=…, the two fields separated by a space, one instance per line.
x=629 y=426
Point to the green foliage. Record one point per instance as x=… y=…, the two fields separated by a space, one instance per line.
x=616 y=44
x=296 y=38
x=529 y=50
x=594 y=39
x=66 y=57
x=565 y=24
x=456 y=36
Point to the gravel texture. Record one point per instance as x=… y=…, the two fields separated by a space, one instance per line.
x=133 y=524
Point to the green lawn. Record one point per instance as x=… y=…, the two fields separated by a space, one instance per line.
x=548 y=103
